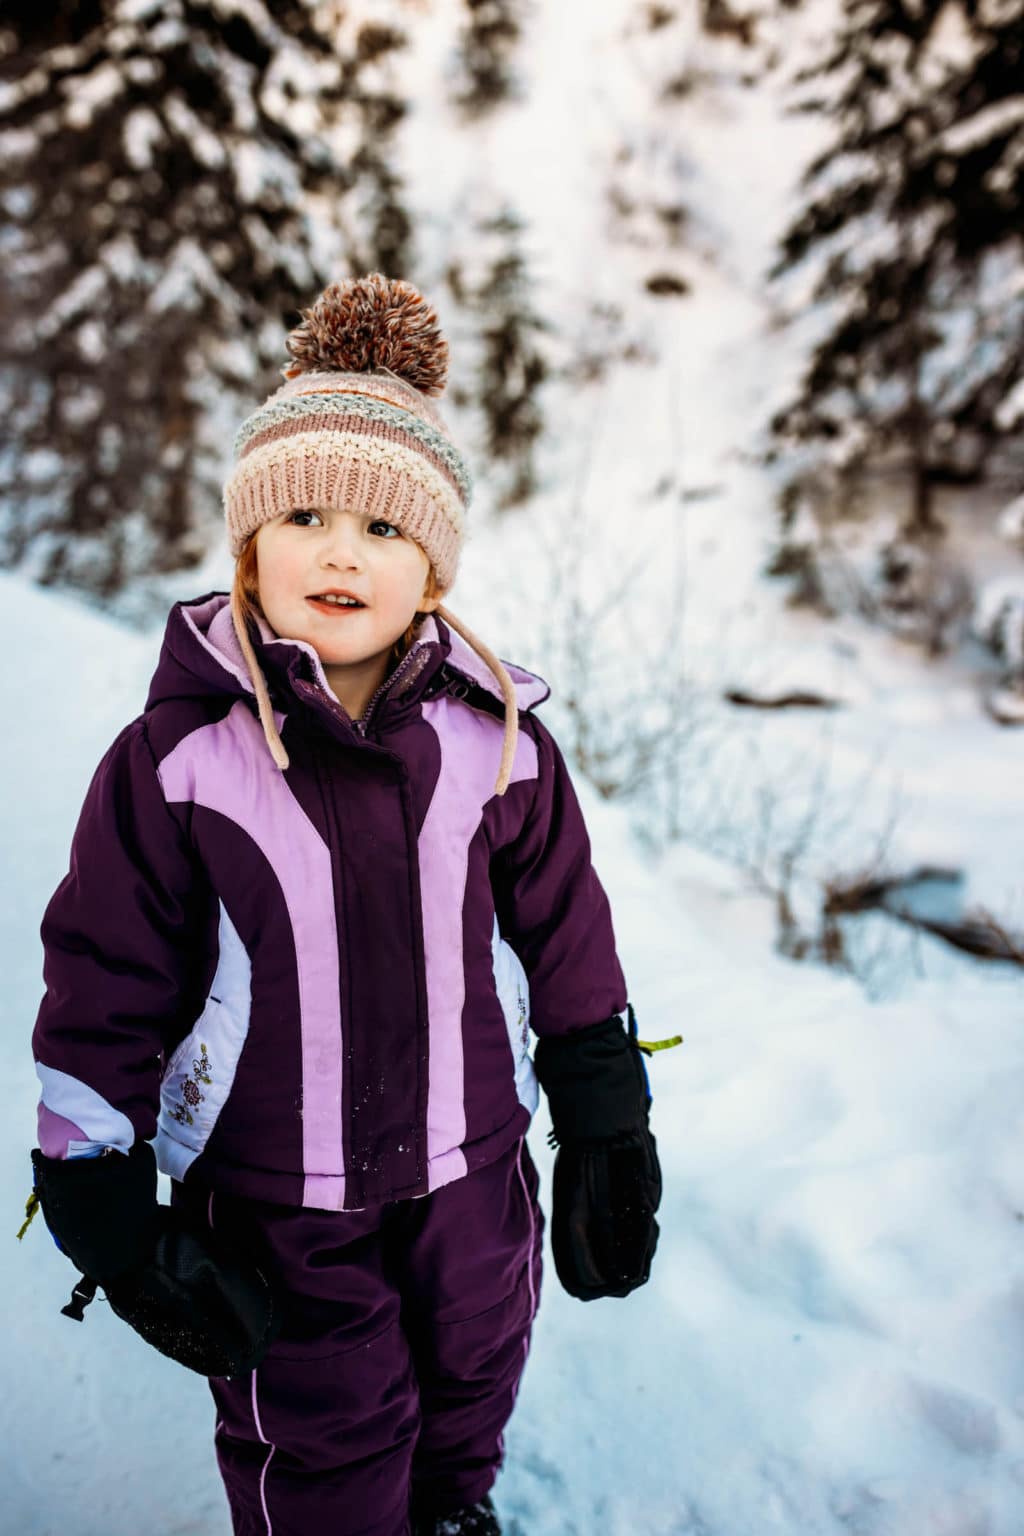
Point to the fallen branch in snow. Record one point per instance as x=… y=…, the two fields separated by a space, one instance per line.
x=981 y=936
x=796 y=699
x=1012 y=945
x=865 y=893
x=977 y=933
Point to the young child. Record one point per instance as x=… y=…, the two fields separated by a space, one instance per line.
x=320 y=890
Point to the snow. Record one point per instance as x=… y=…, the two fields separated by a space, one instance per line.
x=1011 y=519
x=832 y=1340
x=142 y=130
x=87 y=93
x=950 y=44
x=992 y=121
x=1010 y=412
x=189 y=281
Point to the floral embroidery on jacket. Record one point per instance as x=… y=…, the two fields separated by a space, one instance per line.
x=190 y=1090
x=524 y=1027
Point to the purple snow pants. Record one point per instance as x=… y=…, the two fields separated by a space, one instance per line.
x=406 y=1330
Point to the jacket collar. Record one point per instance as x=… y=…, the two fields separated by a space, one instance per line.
x=201 y=654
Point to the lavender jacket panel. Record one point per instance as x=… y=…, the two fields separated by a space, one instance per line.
x=317 y=987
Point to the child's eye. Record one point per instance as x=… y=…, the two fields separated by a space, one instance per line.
x=389 y=526
x=303 y=512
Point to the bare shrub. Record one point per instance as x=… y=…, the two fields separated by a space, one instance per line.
x=919 y=593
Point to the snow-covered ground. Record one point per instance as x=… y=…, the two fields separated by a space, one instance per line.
x=832 y=1341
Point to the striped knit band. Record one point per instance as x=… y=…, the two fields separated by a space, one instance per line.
x=360 y=441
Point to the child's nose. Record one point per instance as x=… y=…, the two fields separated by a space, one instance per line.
x=343 y=547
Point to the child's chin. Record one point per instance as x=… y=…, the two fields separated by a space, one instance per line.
x=337 y=654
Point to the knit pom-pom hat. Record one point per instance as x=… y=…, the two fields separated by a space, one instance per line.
x=353 y=426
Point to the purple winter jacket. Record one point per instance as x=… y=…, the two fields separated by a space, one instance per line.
x=316 y=986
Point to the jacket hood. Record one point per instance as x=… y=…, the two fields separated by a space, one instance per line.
x=200 y=656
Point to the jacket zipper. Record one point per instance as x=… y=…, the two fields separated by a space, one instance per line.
x=362 y=724
x=322 y=771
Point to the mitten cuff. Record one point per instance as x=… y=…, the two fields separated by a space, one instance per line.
x=595 y=1082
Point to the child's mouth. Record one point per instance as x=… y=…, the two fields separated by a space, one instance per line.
x=322 y=605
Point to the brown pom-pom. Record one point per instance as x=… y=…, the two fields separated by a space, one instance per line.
x=371 y=322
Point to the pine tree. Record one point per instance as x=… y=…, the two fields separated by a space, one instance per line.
x=512 y=365
x=173 y=192
x=381 y=234
x=916 y=219
x=484 y=52
x=976 y=168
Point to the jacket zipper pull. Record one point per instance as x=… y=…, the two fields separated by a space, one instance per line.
x=81 y=1296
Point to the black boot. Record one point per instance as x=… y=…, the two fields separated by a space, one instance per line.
x=472 y=1520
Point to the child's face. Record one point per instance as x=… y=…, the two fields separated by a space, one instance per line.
x=303 y=553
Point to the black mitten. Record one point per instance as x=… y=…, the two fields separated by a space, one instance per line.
x=607 y=1178
x=184 y=1292
x=603 y=1231
x=102 y=1211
